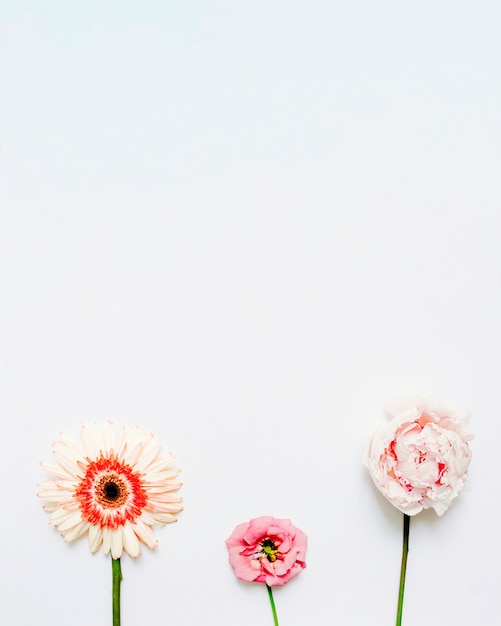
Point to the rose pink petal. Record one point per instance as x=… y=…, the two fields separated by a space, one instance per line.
x=267 y=550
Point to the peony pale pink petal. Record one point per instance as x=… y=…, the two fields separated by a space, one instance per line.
x=413 y=458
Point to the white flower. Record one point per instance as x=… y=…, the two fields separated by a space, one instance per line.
x=114 y=485
x=419 y=458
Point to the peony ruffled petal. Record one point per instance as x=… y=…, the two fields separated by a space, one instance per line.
x=419 y=458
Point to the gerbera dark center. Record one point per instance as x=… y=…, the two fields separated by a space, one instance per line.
x=270 y=550
x=111 y=491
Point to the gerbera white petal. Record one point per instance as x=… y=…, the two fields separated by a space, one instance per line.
x=70 y=521
x=66 y=485
x=145 y=534
x=53 y=494
x=56 y=469
x=131 y=542
x=166 y=495
x=66 y=450
x=134 y=445
x=106 y=540
x=95 y=538
x=89 y=442
x=132 y=454
x=68 y=464
x=72 y=444
x=148 y=454
x=160 y=499
x=168 y=508
x=76 y=532
x=159 y=472
x=164 y=461
x=121 y=443
x=155 y=495
x=60 y=515
x=109 y=437
x=96 y=433
x=53 y=498
x=70 y=504
x=117 y=542
x=114 y=485
x=158 y=518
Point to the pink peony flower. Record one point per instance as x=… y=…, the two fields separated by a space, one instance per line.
x=267 y=550
x=419 y=458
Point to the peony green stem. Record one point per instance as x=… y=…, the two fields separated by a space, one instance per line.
x=117 y=579
x=272 y=602
x=403 y=568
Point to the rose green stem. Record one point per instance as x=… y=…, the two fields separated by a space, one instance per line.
x=272 y=602
x=117 y=579
x=403 y=568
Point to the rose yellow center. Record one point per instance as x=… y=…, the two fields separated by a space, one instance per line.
x=270 y=550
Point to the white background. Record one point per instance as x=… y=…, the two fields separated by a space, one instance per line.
x=243 y=225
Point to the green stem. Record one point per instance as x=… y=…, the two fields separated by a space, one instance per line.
x=116 y=573
x=403 y=568
x=272 y=602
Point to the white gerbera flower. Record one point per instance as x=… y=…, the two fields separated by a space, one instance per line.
x=114 y=485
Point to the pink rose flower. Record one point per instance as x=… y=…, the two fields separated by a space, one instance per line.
x=267 y=550
x=419 y=458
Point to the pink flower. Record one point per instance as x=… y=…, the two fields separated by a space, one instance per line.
x=267 y=550
x=419 y=458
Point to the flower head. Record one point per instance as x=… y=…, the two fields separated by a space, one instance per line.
x=267 y=550
x=419 y=458
x=114 y=485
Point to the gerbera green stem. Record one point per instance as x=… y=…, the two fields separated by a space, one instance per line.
x=116 y=572
x=272 y=602
x=403 y=568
